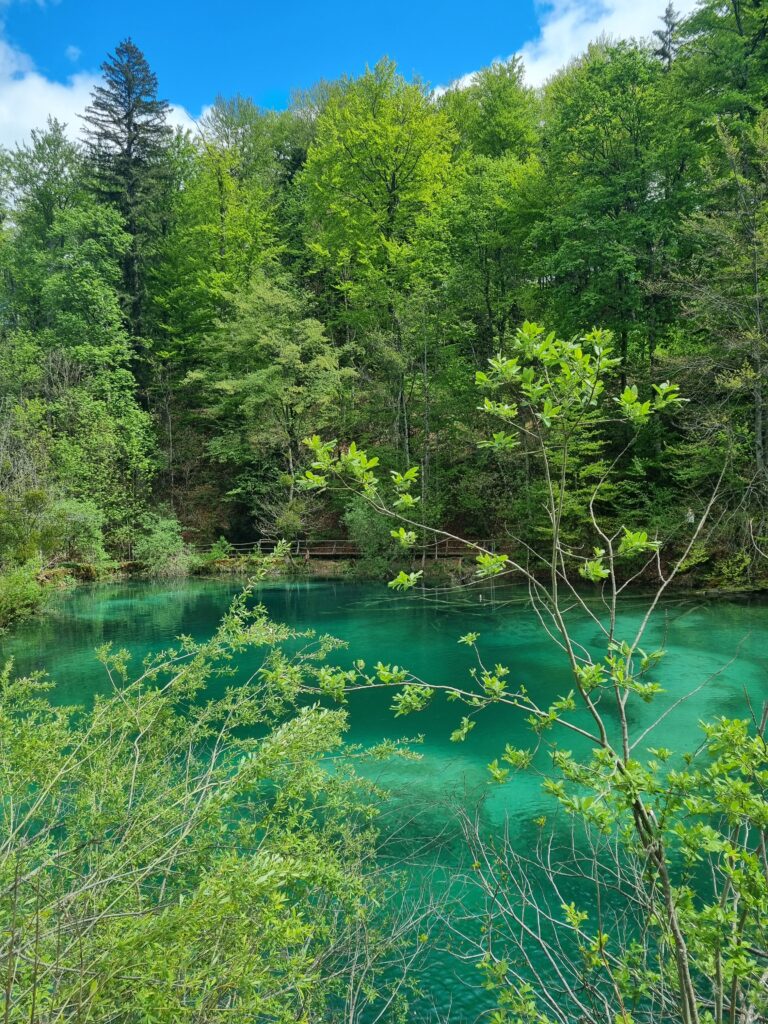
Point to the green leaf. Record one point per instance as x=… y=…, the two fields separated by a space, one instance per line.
x=460 y=734
x=405 y=538
x=405 y=580
x=490 y=565
x=498 y=774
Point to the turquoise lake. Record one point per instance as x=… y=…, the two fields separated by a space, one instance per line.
x=724 y=641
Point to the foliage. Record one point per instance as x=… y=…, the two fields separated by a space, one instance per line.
x=21 y=594
x=161 y=549
x=687 y=837
x=178 y=312
x=732 y=572
x=183 y=847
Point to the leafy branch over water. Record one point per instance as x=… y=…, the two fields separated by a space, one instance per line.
x=698 y=950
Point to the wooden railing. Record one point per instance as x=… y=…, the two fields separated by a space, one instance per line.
x=341 y=548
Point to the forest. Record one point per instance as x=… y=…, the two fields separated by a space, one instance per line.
x=527 y=320
x=179 y=312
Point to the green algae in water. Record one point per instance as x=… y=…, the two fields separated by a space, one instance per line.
x=723 y=641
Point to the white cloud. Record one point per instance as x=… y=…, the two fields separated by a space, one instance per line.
x=180 y=116
x=73 y=53
x=28 y=98
x=566 y=27
x=13 y=62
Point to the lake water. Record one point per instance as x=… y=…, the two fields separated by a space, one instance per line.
x=723 y=639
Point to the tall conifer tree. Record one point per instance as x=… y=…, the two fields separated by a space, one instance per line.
x=666 y=37
x=127 y=138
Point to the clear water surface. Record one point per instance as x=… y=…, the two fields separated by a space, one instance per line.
x=723 y=641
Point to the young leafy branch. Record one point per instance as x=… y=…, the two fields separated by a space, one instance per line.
x=549 y=395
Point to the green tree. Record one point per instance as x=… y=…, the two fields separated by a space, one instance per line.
x=604 y=239
x=496 y=113
x=379 y=161
x=488 y=217
x=723 y=60
x=69 y=397
x=380 y=158
x=725 y=302
x=44 y=177
x=270 y=374
x=223 y=229
x=127 y=139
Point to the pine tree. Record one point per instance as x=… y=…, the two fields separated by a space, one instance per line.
x=127 y=139
x=666 y=37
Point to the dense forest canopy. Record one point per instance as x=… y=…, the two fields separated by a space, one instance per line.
x=180 y=311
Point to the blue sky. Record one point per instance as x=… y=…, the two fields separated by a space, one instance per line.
x=50 y=50
x=266 y=49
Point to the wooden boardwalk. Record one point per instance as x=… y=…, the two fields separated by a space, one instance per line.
x=341 y=548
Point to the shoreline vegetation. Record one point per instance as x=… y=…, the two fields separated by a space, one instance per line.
x=398 y=316
x=26 y=593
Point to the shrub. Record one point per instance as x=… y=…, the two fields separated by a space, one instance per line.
x=221 y=549
x=77 y=527
x=289 y=522
x=732 y=572
x=371 y=533
x=21 y=595
x=698 y=555
x=220 y=557
x=162 y=863
x=161 y=549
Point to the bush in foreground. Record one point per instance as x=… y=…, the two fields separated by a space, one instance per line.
x=160 y=863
